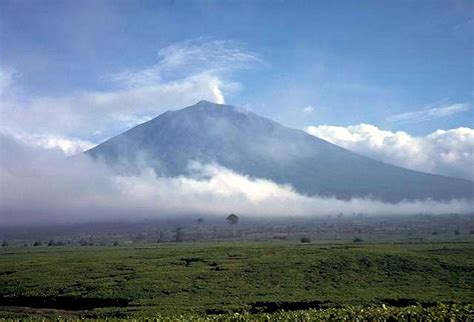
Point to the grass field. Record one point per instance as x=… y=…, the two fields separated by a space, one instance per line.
x=201 y=279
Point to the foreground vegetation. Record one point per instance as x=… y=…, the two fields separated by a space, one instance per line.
x=440 y=312
x=279 y=280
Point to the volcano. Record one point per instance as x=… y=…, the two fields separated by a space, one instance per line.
x=258 y=147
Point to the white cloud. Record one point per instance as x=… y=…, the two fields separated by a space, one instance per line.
x=446 y=152
x=428 y=114
x=82 y=114
x=192 y=57
x=204 y=54
x=69 y=146
x=185 y=73
x=308 y=109
x=55 y=189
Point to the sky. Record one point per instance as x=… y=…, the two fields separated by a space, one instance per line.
x=386 y=63
x=392 y=80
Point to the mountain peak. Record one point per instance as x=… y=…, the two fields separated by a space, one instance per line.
x=210 y=106
x=208 y=103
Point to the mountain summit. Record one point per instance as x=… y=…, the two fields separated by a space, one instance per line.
x=259 y=147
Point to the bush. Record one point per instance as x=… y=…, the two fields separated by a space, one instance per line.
x=305 y=240
x=357 y=240
x=83 y=242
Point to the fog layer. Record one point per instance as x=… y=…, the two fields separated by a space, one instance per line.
x=39 y=186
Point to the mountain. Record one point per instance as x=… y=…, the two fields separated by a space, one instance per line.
x=259 y=147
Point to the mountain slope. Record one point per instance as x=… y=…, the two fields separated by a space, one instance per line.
x=259 y=147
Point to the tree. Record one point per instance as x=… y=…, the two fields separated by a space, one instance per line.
x=305 y=240
x=214 y=232
x=161 y=237
x=37 y=243
x=5 y=244
x=200 y=222
x=233 y=220
x=178 y=234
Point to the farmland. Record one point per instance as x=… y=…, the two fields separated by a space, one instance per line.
x=240 y=280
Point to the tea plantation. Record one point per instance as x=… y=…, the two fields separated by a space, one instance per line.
x=240 y=281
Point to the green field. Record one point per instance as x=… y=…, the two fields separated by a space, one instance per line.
x=272 y=280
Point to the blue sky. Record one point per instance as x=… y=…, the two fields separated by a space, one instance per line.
x=313 y=62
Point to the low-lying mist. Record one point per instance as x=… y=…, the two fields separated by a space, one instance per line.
x=40 y=187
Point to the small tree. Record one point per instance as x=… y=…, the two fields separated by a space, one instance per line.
x=37 y=243
x=357 y=240
x=200 y=222
x=178 y=234
x=233 y=220
x=161 y=237
x=5 y=243
x=305 y=240
x=214 y=232
x=51 y=243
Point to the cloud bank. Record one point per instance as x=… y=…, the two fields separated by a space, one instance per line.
x=447 y=152
x=39 y=186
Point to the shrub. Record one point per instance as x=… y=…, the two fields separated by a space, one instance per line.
x=305 y=240
x=83 y=242
x=357 y=240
